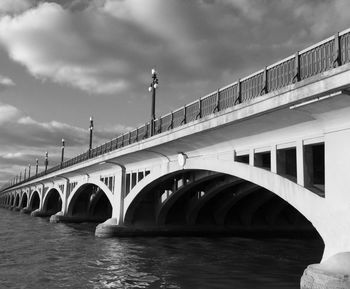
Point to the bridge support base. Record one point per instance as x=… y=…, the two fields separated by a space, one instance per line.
x=26 y=211
x=334 y=273
x=108 y=229
x=61 y=218
x=38 y=213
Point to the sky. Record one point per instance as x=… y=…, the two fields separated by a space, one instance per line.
x=63 y=61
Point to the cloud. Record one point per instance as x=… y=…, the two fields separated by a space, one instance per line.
x=108 y=47
x=24 y=139
x=6 y=82
x=14 y=6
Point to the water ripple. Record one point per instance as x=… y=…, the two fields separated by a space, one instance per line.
x=37 y=254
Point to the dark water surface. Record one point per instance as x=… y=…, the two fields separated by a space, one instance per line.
x=37 y=254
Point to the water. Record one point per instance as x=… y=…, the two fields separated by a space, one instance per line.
x=37 y=254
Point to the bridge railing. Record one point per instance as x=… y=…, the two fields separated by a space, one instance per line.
x=331 y=52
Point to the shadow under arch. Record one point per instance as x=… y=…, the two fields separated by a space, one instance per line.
x=24 y=200
x=34 y=201
x=90 y=202
x=17 y=198
x=307 y=203
x=52 y=202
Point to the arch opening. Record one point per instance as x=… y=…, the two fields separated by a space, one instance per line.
x=34 y=201
x=90 y=204
x=219 y=204
x=17 y=200
x=24 y=201
x=53 y=202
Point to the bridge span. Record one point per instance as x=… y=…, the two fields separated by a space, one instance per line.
x=266 y=154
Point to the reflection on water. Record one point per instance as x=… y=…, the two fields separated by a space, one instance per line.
x=37 y=254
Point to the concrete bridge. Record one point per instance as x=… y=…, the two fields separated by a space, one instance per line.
x=269 y=153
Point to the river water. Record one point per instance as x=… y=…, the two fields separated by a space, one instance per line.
x=37 y=254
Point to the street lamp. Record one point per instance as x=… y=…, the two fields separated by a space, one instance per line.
x=62 y=152
x=25 y=174
x=46 y=161
x=91 y=129
x=29 y=166
x=152 y=88
x=36 y=167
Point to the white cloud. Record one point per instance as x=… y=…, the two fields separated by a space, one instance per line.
x=8 y=113
x=23 y=139
x=6 y=82
x=14 y=6
x=11 y=155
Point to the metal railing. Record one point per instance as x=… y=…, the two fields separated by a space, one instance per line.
x=325 y=55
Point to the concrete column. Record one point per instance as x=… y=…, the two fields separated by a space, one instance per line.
x=334 y=222
x=251 y=157
x=114 y=225
x=41 y=195
x=119 y=195
x=300 y=162
x=273 y=159
x=65 y=198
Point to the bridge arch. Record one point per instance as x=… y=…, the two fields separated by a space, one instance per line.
x=34 y=201
x=12 y=199
x=311 y=206
x=91 y=201
x=52 y=201
x=24 y=200
x=17 y=199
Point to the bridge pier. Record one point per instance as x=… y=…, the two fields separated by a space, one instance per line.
x=40 y=213
x=334 y=270
x=334 y=273
x=26 y=210
x=60 y=217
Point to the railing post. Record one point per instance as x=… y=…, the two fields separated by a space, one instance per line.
x=184 y=115
x=217 y=102
x=336 y=51
x=239 y=93
x=171 y=121
x=264 y=89
x=199 y=115
x=36 y=167
x=46 y=161
x=296 y=76
x=160 y=125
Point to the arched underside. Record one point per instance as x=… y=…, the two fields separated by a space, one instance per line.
x=16 y=201
x=24 y=201
x=34 y=202
x=206 y=201
x=53 y=202
x=90 y=204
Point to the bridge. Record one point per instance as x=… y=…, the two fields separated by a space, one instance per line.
x=269 y=153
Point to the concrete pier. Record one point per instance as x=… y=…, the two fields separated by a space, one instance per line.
x=333 y=273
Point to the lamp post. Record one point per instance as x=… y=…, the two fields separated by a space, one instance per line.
x=36 y=167
x=62 y=152
x=91 y=129
x=46 y=161
x=152 y=88
x=20 y=176
x=25 y=174
x=29 y=166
